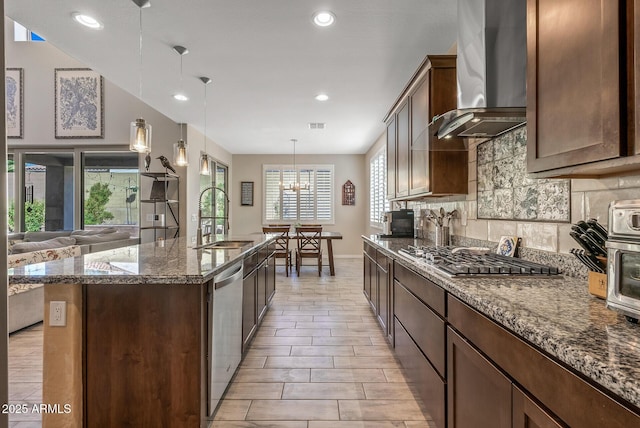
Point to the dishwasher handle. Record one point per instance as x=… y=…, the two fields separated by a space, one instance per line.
x=229 y=279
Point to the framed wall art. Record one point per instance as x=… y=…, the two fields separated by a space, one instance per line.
x=79 y=103
x=15 y=99
x=246 y=193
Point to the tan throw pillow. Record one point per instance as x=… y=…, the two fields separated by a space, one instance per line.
x=26 y=247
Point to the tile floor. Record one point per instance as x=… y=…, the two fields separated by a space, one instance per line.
x=319 y=360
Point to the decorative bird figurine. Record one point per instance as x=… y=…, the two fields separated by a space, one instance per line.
x=147 y=162
x=166 y=164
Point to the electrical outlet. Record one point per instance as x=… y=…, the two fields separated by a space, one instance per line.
x=193 y=239
x=150 y=217
x=194 y=217
x=57 y=314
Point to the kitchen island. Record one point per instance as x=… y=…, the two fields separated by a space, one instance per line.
x=548 y=350
x=135 y=347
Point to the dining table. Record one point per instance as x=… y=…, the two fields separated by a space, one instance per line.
x=329 y=237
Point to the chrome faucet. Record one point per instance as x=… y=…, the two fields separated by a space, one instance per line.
x=225 y=217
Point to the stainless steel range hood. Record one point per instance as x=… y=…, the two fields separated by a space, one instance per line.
x=491 y=69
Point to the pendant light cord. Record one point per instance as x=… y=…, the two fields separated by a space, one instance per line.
x=140 y=70
x=181 y=91
x=205 y=119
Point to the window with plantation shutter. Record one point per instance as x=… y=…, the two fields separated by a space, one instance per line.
x=378 y=184
x=312 y=203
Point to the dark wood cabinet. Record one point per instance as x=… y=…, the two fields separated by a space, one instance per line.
x=580 y=87
x=249 y=306
x=271 y=277
x=529 y=414
x=369 y=266
x=421 y=375
x=402 y=151
x=383 y=282
x=420 y=338
x=391 y=158
x=479 y=395
x=377 y=286
x=572 y=399
x=470 y=371
x=261 y=290
x=432 y=160
x=420 y=164
x=144 y=355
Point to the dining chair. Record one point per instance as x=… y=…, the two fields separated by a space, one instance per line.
x=308 y=246
x=282 y=250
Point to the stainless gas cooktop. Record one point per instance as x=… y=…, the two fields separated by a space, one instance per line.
x=456 y=262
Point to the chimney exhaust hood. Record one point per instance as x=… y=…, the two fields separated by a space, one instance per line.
x=491 y=69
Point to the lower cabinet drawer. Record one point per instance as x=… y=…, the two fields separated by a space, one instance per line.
x=421 y=374
x=426 y=328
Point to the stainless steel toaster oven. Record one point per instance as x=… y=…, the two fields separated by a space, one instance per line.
x=623 y=268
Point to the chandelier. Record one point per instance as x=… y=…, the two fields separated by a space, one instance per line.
x=295 y=185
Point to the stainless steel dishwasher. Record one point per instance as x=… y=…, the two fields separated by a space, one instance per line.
x=224 y=350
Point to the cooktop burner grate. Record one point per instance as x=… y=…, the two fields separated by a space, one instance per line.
x=469 y=263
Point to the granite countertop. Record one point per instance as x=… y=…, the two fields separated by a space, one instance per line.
x=557 y=315
x=171 y=261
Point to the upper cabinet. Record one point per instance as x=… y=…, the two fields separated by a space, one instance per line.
x=418 y=164
x=580 y=87
x=391 y=158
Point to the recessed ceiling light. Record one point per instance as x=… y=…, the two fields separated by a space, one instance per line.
x=322 y=97
x=181 y=97
x=87 y=21
x=324 y=18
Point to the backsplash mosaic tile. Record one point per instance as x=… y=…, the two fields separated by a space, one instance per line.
x=505 y=192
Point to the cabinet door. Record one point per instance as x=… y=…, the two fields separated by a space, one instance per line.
x=573 y=82
x=383 y=294
x=402 y=161
x=248 y=308
x=271 y=277
x=479 y=395
x=419 y=138
x=391 y=158
x=368 y=275
x=528 y=414
x=261 y=290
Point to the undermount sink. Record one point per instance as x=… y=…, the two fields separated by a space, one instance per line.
x=226 y=244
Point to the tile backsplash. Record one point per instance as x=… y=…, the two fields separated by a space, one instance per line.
x=506 y=192
x=547 y=241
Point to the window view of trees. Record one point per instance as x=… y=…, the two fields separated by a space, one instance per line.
x=94 y=205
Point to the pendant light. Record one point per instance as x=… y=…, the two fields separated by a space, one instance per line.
x=295 y=186
x=205 y=168
x=180 y=148
x=140 y=134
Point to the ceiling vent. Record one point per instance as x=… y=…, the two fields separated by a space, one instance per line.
x=317 y=125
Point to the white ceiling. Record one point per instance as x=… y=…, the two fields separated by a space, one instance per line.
x=266 y=59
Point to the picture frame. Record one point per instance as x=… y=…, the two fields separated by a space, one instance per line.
x=246 y=193
x=79 y=103
x=14 y=87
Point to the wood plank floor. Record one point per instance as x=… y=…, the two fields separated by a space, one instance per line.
x=319 y=360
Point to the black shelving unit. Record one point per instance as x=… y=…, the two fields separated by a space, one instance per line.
x=165 y=200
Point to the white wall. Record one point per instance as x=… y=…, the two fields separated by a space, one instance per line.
x=40 y=59
x=348 y=219
x=195 y=139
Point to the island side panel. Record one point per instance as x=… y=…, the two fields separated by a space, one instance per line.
x=143 y=355
x=62 y=358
